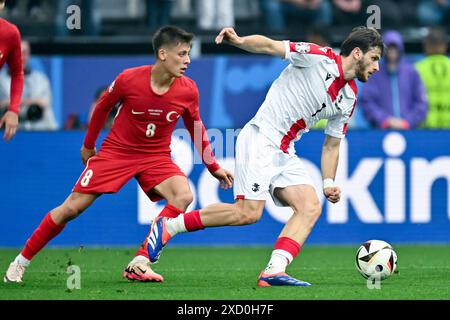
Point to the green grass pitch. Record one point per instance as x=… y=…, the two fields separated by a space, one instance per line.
x=228 y=273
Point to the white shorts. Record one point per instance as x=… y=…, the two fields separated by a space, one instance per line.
x=261 y=167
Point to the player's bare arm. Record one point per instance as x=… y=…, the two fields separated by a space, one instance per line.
x=329 y=163
x=253 y=43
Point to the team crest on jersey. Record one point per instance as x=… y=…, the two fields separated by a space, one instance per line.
x=172 y=116
x=302 y=47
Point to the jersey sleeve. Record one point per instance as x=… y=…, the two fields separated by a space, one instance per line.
x=14 y=61
x=111 y=96
x=197 y=131
x=305 y=54
x=337 y=125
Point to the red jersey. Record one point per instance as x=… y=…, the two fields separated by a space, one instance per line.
x=146 y=120
x=11 y=53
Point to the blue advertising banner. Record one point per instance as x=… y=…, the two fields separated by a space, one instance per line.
x=395 y=188
x=232 y=87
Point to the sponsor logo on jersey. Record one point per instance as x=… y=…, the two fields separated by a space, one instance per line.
x=328 y=76
x=155 y=112
x=255 y=187
x=302 y=47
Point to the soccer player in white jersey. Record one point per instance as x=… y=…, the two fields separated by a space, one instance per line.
x=317 y=84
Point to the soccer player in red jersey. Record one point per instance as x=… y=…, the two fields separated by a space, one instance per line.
x=10 y=52
x=138 y=145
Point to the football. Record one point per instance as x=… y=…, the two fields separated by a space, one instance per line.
x=376 y=259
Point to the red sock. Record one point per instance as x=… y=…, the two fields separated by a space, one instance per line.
x=289 y=245
x=46 y=231
x=192 y=221
x=169 y=211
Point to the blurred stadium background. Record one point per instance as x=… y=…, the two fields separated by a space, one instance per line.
x=395 y=183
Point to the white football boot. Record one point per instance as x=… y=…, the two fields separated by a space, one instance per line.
x=139 y=270
x=15 y=273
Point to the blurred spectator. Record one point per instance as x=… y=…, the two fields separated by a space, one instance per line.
x=394 y=13
x=112 y=115
x=394 y=97
x=158 y=13
x=319 y=35
x=36 y=111
x=73 y=122
x=215 y=14
x=432 y=12
x=348 y=12
x=26 y=8
x=308 y=12
x=435 y=73
x=90 y=17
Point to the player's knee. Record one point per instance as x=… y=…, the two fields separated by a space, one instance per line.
x=72 y=209
x=251 y=217
x=312 y=211
x=248 y=214
x=183 y=200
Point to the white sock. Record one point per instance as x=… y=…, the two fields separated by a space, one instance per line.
x=140 y=259
x=20 y=259
x=279 y=260
x=176 y=225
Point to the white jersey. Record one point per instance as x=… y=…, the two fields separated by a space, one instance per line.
x=310 y=88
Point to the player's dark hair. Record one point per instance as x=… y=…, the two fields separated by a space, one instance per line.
x=365 y=38
x=170 y=35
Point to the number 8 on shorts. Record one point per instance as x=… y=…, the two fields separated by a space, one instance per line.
x=87 y=178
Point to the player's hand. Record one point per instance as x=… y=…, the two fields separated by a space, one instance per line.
x=87 y=153
x=228 y=35
x=11 y=121
x=225 y=177
x=398 y=123
x=333 y=194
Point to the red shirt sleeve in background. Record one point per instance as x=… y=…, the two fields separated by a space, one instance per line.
x=14 y=61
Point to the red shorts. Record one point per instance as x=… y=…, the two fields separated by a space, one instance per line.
x=106 y=173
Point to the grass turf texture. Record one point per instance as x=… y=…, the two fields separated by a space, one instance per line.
x=228 y=273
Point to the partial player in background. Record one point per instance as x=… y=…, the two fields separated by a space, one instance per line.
x=153 y=98
x=317 y=84
x=36 y=108
x=10 y=52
